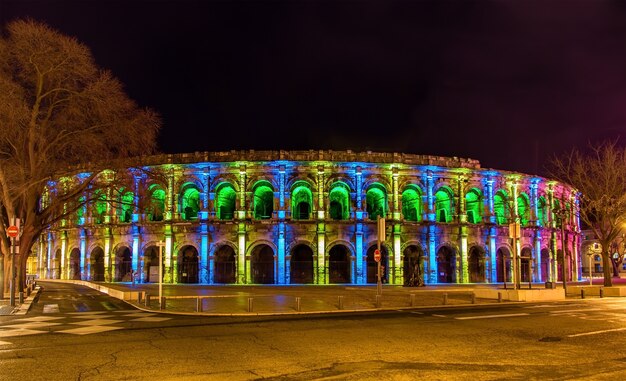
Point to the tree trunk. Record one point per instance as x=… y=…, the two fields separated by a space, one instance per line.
x=607 y=268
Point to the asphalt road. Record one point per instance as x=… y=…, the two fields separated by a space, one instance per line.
x=108 y=340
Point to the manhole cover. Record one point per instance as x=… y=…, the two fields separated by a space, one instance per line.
x=550 y=338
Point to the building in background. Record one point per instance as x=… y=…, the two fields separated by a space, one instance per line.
x=309 y=217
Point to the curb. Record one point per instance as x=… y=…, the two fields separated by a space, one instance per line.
x=25 y=307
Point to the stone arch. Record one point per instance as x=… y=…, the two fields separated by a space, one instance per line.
x=376 y=201
x=444 y=208
x=56 y=264
x=501 y=208
x=225 y=201
x=372 y=265
x=340 y=255
x=545 y=262
x=477 y=264
x=339 y=201
x=151 y=263
x=523 y=208
x=301 y=200
x=263 y=200
x=503 y=264
x=413 y=263
x=122 y=263
x=412 y=207
x=542 y=211
x=96 y=259
x=156 y=203
x=188 y=264
x=526 y=262
x=474 y=206
x=446 y=264
x=262 y=263
x=225 y=263
x=74 y=264
x=189 y=200
x=301 y=264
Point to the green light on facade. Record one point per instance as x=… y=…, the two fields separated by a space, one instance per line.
x=225 y=201
x=473 y=206
x=125 y=209
x=376 y=201
x=443 y=204
x=339 y=201
x=156 y=209
x=301 y=201
x=263 y=200
x=523 y=208
x=541 y=211
x=190 y=203
x=412 y=205
x=501 y=207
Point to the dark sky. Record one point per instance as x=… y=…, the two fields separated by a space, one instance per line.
x=509 y=83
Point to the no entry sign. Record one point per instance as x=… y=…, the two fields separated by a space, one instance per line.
x=377 y=255
x=13 y=231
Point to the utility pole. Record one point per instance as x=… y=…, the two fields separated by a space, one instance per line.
x=377 y=255
x=161 y=244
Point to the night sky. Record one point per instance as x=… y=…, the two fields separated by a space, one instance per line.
x=509 y=83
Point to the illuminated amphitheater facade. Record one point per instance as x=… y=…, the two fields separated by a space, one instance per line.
x=293 y=217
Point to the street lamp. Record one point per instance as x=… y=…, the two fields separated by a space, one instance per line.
x=560 y=213
x=161 y=244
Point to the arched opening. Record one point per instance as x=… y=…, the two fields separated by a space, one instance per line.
x=262 y=264
x=446 y=265
x=156 y=208
x=225 y=265
x=339 y=264
x=81 y=210
x=75 y=264
x=376 y=201
x=413 y=266
x=225 y=201
x=301 y=201
x=151 y=264
x=526 y=265
x=339 y=201
x=96 y=260
x=125 y=208
x=501 y=207
x=523 y=208
x=568 y=266
x=190 y=202
x=372 y=265
x=100 y=208
x=503 y=265
x=301 y=270
x=56 y=265
x=188 y=264
x=412 y=204
x=263 y=201
x=123 y=264
x=474 y=206
x=545 y=265
x=443 y=205
x=476 y=264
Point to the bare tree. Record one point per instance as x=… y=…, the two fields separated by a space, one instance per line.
x=60 y=115
x=600 y=177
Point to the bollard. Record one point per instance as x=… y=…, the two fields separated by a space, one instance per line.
x=21 y=297
x=473 y=298
x=340 y=302
x=139 y=297
x=250 y=304
x=162 y=304
x=298 y=303
x=198 y=304
x=602 y=292
x=445 y=298
x=582 y=293
x=412 y=300
x=499 y=297
x=147 y=300
x=377 y=300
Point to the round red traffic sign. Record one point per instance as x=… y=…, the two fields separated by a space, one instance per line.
x=13 y=231
x=377 y=255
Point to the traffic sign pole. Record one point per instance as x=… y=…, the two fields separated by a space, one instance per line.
x=13 y=232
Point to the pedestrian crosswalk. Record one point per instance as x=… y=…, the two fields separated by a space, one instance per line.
x=76 y=323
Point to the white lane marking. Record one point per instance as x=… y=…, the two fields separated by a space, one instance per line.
x=89 y=330
x=443 y=316
x=578 y=310
x=597 y=332
x=417 y=312
x=50 y=308
x=489 y=316
x=5 y=343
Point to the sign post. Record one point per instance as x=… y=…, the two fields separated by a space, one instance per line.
x=13 y=232
x=381 y=238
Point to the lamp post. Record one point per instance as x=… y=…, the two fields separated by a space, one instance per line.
x=560 y=213
x=161 y=244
